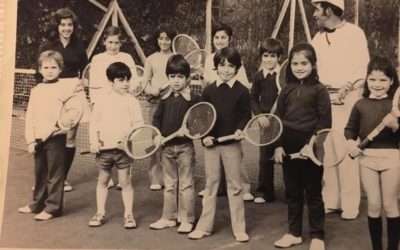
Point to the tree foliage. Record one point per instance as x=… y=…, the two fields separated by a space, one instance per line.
x=252 y=21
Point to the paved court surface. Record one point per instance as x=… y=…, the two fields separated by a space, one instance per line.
x=265 y=223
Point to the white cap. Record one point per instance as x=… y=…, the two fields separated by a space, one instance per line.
x=337 y=3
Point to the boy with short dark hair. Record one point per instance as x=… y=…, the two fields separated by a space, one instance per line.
x=48 y=192
x=262 y=98
x=113 y=117
x=178 y=155
x=231 y=101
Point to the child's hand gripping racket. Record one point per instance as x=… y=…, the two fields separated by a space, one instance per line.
x=197 y=122
x=184 y=44
x=386 y=121
x=326 y=148
x=261 y=130
x=140 y=143
x=70 y=114
x=338 y=95
x=161 y=91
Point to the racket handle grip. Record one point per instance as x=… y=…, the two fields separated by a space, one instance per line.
x=224 y=138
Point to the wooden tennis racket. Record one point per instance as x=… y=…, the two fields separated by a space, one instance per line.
x=326 y=148
x=393 y=114
x=70 y=114
x=184 y=44
x=338 y=97
x=197 y=122
x=196 y=60
x=140 y=143
x=281 y=82
x=261 y=130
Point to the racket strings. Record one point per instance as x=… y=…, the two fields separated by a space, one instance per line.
x=140 y=143
x=261 y=135
x=329 y=148
x=184 y=45
x=200 y=120
x=71 y=113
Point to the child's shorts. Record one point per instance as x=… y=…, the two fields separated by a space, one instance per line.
x=108 y=158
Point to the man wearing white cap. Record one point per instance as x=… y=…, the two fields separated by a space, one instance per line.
x=342 y=59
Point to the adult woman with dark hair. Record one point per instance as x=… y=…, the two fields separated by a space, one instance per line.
x=62 y=38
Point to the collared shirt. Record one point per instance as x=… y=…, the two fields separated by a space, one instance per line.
x=229 y=83
x=267 y=72
x=210 y=73
x=113 y=117
x=185 y=93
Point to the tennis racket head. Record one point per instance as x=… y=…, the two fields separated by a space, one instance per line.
x=184 y=44
x=85 y=76
x=196 y=60
x=71 y=112
x=140 y=85
x=199 y=120
x=142 y=142
x=396 y=103
x=263 y=129
x=328 y=148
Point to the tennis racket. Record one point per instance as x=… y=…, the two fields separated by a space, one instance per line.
x=140 y=143
x=70 y=114
x=394 y=113
x=140 y=85
x=184 y=44
x=338 y=97
x=85 y=78
x=326 y=148
x=197 y=122
x=281 y=82
x=261 y=130
x=196 y=60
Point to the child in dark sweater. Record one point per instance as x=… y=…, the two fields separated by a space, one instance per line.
x=231 y=101
x=379 y=161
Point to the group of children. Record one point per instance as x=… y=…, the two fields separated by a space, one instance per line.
x=303 y=105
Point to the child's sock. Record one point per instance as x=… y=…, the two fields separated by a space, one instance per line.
x=393 y=232
x=69 y=158
x=127 y=198
x=101 y=197
x=375 y=232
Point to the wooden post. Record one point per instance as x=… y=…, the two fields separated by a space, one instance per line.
x=292 y=23
x=100 y=30
x=304 y=19
x=99 y=5
x=208 y=25
x=280 y=19
x=356 y=12
x=114 y=19
x=130 y=33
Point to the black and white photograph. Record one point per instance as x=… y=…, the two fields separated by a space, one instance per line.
x=200 y=124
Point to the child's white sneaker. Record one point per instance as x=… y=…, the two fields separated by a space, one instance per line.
x=288 y=240
x=67 y=187
x=317 y=244
x=129 y=222
x=248 y=197
x=196 y=234
x=97 y=220
x=162 y=223
x=185 y=227
x=43 y=216
x=242 y=237
x=25 y=210
x=259 y=200
x=154 y=187
x=201 y=193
